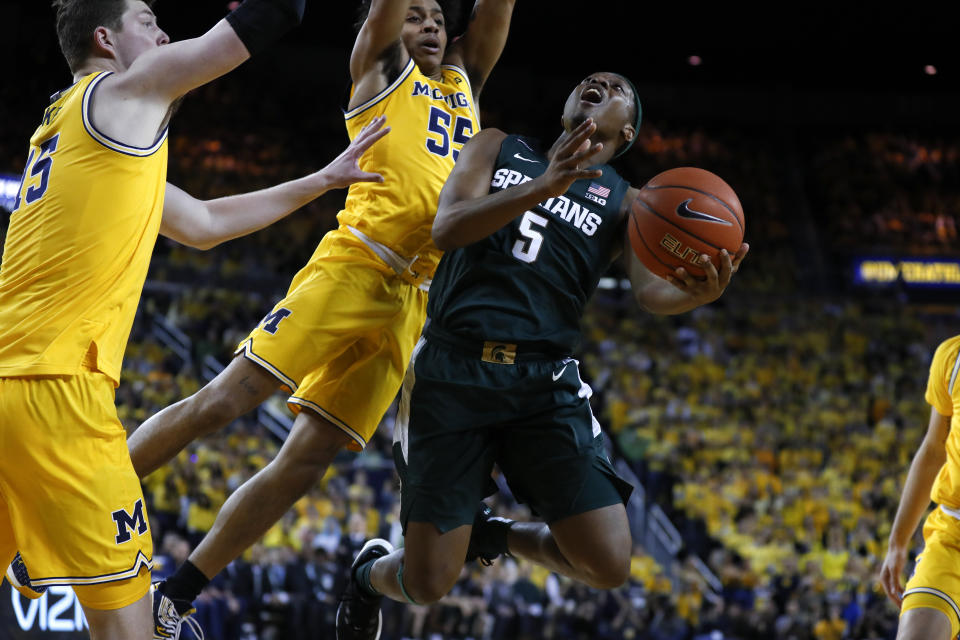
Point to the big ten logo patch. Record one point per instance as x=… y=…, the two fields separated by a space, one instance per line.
x=272 y=322
x=127 y=522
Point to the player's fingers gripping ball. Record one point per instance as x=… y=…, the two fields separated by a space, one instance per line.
x=681 y=214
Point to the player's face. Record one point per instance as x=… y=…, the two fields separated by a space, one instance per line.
x=139 y=33
x=424 y=34
x=605 y=97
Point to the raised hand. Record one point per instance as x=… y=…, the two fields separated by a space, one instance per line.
x=345 y=169
x=708 y=289
x=564 y=168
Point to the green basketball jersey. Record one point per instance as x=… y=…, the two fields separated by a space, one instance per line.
x=529 y=282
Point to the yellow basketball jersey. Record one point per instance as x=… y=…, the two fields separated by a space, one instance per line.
x=79 y=242
x=430 y=121
x=943 y=394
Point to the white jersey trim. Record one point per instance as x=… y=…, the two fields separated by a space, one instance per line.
x=352 y=113
x=935 y=592
x=401 y=431
x=104 y=139
x=393 y=259
x=334 y=420
x=953 y=376
x=140 y=562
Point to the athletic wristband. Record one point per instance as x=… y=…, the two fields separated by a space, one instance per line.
x=259 y=22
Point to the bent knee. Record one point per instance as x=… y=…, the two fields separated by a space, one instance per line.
x=427 y=587
x=609 y=570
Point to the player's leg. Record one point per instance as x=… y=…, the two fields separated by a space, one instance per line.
x=926 y=623
x=556 y=463
x=73 y=501
x=592 y=547
x=931 y=597
x=444 y=457
x=427 y=566
x=242 y=386
x=133 y=621
x=292 y=341
x=253 y=508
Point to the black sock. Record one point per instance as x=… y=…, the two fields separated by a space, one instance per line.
x=362 y=575
x=184 y=586
x=499 y=528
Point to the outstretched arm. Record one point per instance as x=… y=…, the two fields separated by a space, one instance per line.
x=172 y=70
x=468 y=212
x=379 y=36
x=206 y=223
x=131 y=106
x=480 y=47
x=916 y=497
x=681 y=292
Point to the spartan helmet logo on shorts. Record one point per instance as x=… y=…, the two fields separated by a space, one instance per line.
x=126 y=522
x=499 y=352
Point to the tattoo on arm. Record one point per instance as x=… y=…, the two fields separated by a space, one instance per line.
x=248 y=386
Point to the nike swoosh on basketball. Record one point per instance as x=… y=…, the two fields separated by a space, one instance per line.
x=684 y=211
x=556 y=376
x=520 y=157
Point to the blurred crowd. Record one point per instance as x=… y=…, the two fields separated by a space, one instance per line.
x=886 y=192
x=776 y=439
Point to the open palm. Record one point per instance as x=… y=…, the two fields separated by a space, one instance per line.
x=344 y=170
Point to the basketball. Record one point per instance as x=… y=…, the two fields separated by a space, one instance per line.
x=683 y=213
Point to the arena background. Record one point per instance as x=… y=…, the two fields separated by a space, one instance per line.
x=768 y=434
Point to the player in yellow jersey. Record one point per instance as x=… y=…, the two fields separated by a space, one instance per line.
x=341 y=338
x=87 y=214
x=930 y=604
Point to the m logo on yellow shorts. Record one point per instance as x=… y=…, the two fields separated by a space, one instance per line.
x=271 y=323
x=126 y=522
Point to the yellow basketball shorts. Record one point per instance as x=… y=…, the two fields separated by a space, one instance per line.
x=935 y=582
x=341 y=339
x=70 y=501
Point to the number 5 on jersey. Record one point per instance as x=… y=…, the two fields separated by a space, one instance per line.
x=527 y=248
x=439 y=126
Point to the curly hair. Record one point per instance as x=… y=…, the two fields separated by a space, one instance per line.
x=450 y=8
x=78 y=19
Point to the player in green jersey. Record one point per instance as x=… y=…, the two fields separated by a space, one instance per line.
x=528 y=232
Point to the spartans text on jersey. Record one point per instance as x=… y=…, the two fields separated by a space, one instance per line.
x=561 y=206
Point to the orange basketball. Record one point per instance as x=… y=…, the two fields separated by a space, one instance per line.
x=681 y=214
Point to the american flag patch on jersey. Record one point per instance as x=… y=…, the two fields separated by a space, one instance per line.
x=598 y=190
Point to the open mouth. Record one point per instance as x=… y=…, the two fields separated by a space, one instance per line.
x=431 y=45
x=593 y=95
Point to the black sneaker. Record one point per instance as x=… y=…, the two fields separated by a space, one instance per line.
x=488 y=538
x=358 y=614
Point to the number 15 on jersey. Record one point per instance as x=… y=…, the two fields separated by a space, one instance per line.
x=41 y=167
